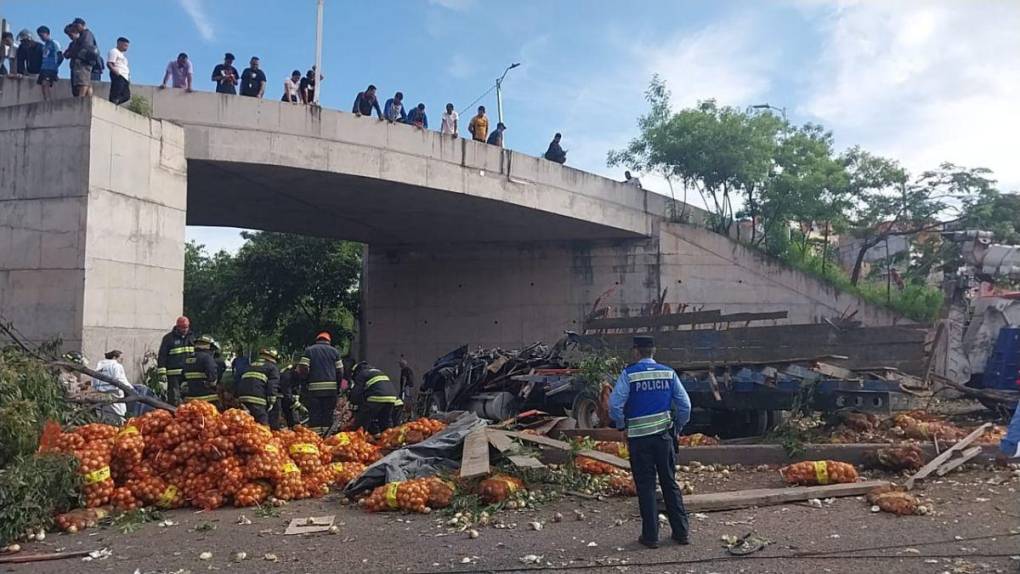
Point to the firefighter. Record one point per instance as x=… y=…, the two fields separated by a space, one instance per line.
x=177 y=345
x=321 y=367
x=294 y=413
x=259 y=384
x=200 y=373
x=375 y=395
x=649 y=401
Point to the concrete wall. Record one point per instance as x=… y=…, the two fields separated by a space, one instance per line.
x=92 y=212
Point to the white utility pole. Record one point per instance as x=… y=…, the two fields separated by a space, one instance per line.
x=499 y=93
x=318 y=51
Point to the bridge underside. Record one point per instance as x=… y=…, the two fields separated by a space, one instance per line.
x=277 y=198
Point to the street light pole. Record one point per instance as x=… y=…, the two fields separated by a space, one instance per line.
x=499 y=90
x=318 y=51
x=766 y=106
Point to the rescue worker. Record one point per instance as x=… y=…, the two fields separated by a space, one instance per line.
x=200 y=373
x=177 y=345
x=320 y=365
x=259 y=384
x=649 y=401
x=400 y=410
x=375 y=395
x=294 y=413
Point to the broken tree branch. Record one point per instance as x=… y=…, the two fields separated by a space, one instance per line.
x=129 y=391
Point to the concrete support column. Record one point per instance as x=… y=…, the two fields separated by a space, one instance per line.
x=92 y=215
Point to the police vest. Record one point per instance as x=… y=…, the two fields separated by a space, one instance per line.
x=650 y=403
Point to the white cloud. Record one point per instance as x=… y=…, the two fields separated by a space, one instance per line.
x=460 y=67
x=196 y=10
x=731 y=62
x=923 y=82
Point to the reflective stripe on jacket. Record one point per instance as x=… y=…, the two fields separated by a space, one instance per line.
x=324 y=365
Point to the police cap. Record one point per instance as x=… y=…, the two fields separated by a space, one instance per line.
x=644 y=342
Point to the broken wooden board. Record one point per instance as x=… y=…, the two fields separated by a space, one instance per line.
x=560 y=445
x=543 y=427
x=310 y=524
x=475 y=459
x=958 y=461
x=773 y=496
x=505 y=445
x=939 y=460
x=834 y=372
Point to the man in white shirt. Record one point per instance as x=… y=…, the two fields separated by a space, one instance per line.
x=631 y=180
x=110 y=366
x=450 y=118
x=120 y=74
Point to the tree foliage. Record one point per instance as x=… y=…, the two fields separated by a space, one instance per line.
x=278 y=290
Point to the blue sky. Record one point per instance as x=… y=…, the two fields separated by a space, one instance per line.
x=922 y=82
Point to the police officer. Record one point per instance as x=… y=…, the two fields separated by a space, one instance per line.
x=259 y=385
x=649 y=401
x=176 y=346
x=320 y=365
x=200 y=372
x=375 y=395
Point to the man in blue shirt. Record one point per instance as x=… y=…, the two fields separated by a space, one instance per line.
x=649 y=401
x=51 y=59
x=393 y=111
x=1010 y=444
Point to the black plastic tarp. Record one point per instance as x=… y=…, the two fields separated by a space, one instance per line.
x=440 y=452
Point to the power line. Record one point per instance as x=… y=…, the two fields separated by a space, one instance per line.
x=478 y=99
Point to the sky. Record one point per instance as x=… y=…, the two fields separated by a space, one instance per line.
x=920 y=82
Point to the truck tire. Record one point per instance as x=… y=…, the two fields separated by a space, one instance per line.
x=585 y=411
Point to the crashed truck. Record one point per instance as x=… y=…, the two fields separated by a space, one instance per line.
x=732 y=395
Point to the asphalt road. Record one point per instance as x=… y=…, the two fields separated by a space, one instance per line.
x=971 y=521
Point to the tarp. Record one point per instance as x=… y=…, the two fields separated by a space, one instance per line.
x=439 y=453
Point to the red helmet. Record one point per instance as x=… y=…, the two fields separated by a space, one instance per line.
x=324 y=336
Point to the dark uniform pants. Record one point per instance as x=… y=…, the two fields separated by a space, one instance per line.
x=320 y=412
x=651 y=457
x=173 y=389
x=375 y=417
x=258 y=412
x=286 y=406
x=275 y=422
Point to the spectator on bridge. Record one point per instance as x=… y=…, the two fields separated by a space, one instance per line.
x=225 y=75
x=97 y=69
x=365 y=102
x=496 y=137
x=291 y=87
x=8 y=54
x=555 y=152
x=394 y=109
x=631 y=180
x=449 y=125
x=29 y=54
x=120 y=74
x=307 y=87
x=51 y=59
x=253 y=80
x=479 y=126
x=84 y=55
x=416 y=117
x=181 y=72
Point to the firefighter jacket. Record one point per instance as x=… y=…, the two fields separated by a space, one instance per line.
x=259 y=384
x=373 y=386
x=173 y=350
x=290 y=383
x=324 y=369
x=200 y=374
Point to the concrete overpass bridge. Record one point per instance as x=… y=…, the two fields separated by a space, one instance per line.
x=466 y=242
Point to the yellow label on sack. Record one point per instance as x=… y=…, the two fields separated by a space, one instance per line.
x=511 y=486
x=403 y=435
x=290 y=468
x=337 y=466
x=97 y=475
x=391 y=494
x=343 y=439
x=128 y=431
x=271 y=448
x=167 y=498
x=303 y=448
x=821 y=472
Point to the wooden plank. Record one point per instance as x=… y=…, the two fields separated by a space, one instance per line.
x=560 y=445
x=522 y=461
x=309 y=525
x=774 y=496
x=744 y=317
x=834 y=372
x=668 y=320
x=544 y=427
x=594 y=434
x=499 y=440
x=958 y=461
x=475 y=460
x=938 y=461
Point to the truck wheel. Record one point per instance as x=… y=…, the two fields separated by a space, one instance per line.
x=585 y=411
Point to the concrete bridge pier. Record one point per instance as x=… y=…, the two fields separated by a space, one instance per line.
x=92 y=216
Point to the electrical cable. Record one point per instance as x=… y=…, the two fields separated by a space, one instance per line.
x=478 y=99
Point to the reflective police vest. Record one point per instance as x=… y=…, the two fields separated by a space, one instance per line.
x=650 y=403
